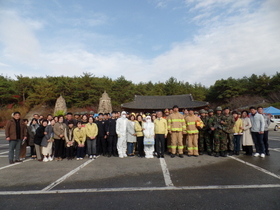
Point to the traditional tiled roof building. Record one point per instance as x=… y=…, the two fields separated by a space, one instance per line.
x=155 y=103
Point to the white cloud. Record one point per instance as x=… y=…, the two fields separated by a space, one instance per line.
x=240 y=46
x=18 y=38
x=3 y=64
x=160 y=4
x=237 y=45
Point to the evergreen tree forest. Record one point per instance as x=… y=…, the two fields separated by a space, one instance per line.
x=85 y=90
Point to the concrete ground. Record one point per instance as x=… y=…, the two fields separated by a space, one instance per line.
x=237 y=182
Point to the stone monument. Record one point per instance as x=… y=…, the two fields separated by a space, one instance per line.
x=105 y=105
x=60 y=106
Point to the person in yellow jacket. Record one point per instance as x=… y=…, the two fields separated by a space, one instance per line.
x=139 y=135
x=238 y=132
x=176 y=126
x=160 y=126
x=80 y=138
x=192 y=124
x=91 y=133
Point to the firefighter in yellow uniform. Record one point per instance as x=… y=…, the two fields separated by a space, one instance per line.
x=168 y=139
x=176 y=127
x=192 y=123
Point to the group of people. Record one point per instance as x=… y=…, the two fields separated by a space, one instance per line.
x=147 y=135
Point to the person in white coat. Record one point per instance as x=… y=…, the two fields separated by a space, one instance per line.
x=149 y=139
x=246 y=138
x=121 y=132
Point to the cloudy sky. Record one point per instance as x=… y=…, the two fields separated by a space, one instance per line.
x=143 y=40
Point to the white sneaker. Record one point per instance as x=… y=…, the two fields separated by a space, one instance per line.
x=90 y=157
x=125 y=155
x=81 y=158
x=256 y=155
x=45 y=159
x=120 y=156
x=94 y=156
x=50 y=158
x=78 y=158
x=262 y=155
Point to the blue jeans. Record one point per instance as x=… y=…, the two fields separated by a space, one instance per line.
x=236 y=141
x=258 y=141
x=130 y=147
x=14 y=147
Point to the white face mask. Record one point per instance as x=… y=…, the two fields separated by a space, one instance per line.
x=148 y=120
x=123 y=116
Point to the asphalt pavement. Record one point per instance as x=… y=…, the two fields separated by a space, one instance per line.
x=236 y=182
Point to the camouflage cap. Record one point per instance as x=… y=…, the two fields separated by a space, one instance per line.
x=210 y=110
x=219 y=108
x=195 y=112
x=202 y=111
x=91 y=112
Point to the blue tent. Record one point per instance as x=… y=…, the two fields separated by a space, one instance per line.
x=271 y=110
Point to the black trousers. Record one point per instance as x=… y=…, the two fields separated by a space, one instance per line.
x=112 y=144
x=70 y=152
x=248 y=150
x=101 y=145
x=160 y=144
x=32 y=150
x=265 y=141
x=140 y=146
x=58 y=148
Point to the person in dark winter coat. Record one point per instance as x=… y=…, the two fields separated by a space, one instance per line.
x=40 y=133
x=31 y=131
x=15 y=132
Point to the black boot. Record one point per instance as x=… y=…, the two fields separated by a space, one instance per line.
x=223 y=154
x=217 y=154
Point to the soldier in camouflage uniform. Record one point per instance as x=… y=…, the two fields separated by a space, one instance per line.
x=220 y=143
x=204 y=135
x=228 y=124
x=210 y=123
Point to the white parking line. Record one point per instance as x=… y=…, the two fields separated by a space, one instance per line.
x=166 y=174
x=1 y=153
x=1 y=156
x=274 y=139
x=275 y=149
x=256 y=167
x=137 y=189
x=3 y=145
x=57 y=182
x=8 y=166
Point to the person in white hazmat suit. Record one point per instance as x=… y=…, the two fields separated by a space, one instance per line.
x=149 y=139
x=121 y=131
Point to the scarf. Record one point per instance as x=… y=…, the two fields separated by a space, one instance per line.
x=34 y=128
